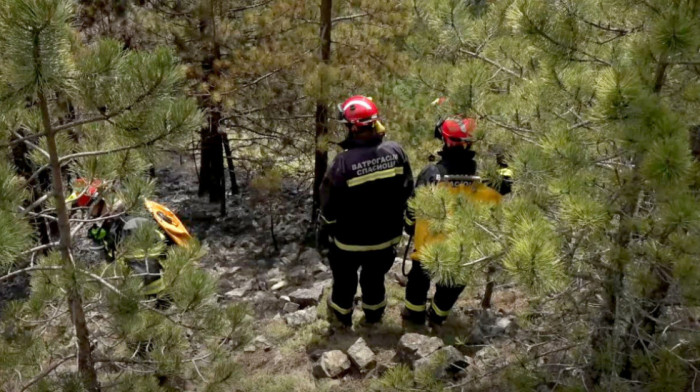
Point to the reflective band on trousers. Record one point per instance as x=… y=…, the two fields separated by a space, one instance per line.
x=338 y=308
x=388 y=173
x=365 y=248
x=505 y=172
x=374 y=307
x=326 y=221
x=441 y=313
x=415 y=308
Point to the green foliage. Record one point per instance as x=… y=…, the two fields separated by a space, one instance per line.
x=16 y=234
x=398 y=378
x=592 y=102
x=271 y=382
x=25 y=68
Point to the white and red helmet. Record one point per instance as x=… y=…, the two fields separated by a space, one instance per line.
x=456 y=131
x=358 y=110
x=83 y=193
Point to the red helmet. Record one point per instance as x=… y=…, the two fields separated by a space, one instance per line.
x=455 y=131
x=358 y=110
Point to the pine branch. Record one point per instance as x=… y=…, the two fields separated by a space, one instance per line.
x=103 y=282
x=100 y=219
x=248 y=7
x=494 y=63
x=66 y=158
x=37 y=202
x=84 y=121
x=480 y=260
x=105 y=117
x=32 y=145
x=22 y=139
x=40 y=248
x=30 y=269
x=547 y=37
x=46 y=372
x=349 y=17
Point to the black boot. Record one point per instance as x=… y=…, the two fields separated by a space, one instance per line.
x=413 y=317
x=434 y=318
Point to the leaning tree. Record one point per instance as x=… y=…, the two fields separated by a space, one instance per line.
x=124 y=106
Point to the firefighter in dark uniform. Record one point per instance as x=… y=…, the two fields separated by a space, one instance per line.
x=363 y=198
x=457 y=158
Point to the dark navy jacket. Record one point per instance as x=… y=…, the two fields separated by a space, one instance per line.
x=364 y=194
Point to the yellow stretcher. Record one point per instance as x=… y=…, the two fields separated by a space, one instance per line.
x=471 y=187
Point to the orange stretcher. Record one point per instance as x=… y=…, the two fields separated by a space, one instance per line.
x=169 y=222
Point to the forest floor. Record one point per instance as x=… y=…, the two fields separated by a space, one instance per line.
x=291 y=328
x=281 y=356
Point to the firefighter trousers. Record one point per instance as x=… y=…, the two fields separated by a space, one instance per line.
x=417 y=294
x=373 y=265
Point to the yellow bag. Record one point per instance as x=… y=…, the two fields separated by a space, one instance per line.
x=471 y=187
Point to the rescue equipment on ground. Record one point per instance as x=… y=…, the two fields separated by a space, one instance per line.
x=83 y=194
x=146 y=264
x=169 y=222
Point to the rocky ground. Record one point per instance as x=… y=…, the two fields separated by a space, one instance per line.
x=294 y=345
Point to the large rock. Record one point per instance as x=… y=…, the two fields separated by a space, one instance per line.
x=241 y=290
x=298 y=273
x=503 y=326
x=309 y=296
x=301 y=317
x=443 y=363
x=396 y=271
x=361 y=355
x=413 y=346
x=290 y=307
x=260 y=342
x=310 y=257
x=290 y=250
x=331 y=364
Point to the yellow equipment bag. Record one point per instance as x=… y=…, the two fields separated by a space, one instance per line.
x=471 y=187
x=169 y=222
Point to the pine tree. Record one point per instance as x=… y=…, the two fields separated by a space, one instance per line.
x=594 y=101
x=124 y=107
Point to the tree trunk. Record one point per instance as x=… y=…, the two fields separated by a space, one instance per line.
x=614 y=280
x=229 y=164
x=211 y=174
x=321 y=155
x=488 y=293
x=86 y=366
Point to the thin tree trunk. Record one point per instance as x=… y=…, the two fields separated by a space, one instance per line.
x=602 y=338
x=86 y=365
x=488 y=293
x=321 y=155
x=272 y=230
x=653 y=304
x=211 y=175
x=229 y=163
